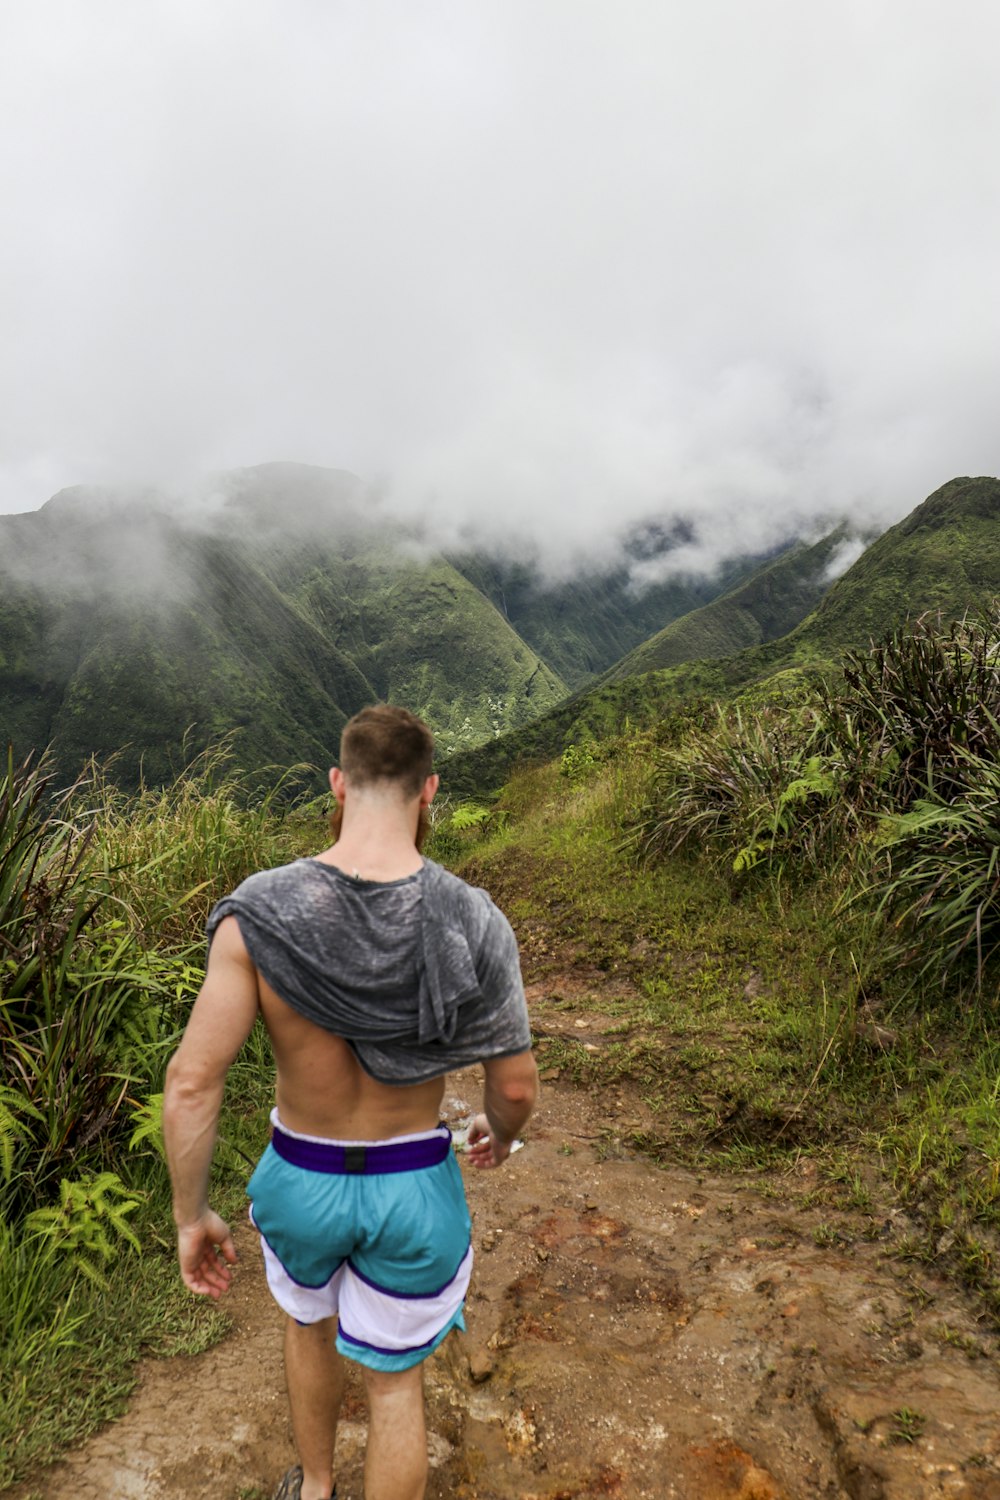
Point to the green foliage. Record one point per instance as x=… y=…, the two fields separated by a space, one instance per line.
x=37 y=1320
x=455 y=830
x=746 y=791
x=14 y=1106
x=918 y=722
x=891 y=776
x=578 y=761
x=921 y=701
x=69 y=1344
x=907 y=1425
x=469 y=815
x=170 y=852
x=149 y=1125
x=65 y=984
x=941 y=883
x=79 y=1226
x=100 y=957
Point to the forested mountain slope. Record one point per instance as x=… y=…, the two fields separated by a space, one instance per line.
x=274 y=607
x=127 y=630
x=585 y=624
x=944 y=556
x=767 y=605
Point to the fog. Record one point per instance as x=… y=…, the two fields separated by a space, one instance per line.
x=538 y=272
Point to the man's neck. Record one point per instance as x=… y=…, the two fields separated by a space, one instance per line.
x=377 y=840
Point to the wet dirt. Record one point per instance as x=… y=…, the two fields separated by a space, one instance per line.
x=632 y=1332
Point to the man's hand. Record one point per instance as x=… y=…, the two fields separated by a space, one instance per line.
x=483 y=1148
x=205 y=1250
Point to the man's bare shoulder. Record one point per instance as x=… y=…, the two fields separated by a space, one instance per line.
x=228 y=946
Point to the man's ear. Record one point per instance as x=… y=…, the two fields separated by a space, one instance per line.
x=430 y=790
x=337 y=783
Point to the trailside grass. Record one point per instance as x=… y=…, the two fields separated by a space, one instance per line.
x=102 y=917
x=746 y=1013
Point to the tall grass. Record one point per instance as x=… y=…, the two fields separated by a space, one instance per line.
x=102 y=908
x=887 y=781
x=752 y=789
x=171 y=852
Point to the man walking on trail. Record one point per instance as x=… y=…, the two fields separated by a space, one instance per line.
x=375 y=972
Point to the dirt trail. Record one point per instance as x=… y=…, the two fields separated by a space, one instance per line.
x=632 y=1332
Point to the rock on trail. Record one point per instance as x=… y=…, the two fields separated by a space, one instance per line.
x=632 y=1332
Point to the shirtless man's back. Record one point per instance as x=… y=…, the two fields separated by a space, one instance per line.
x=355 y=1265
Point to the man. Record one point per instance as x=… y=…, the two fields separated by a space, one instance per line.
x=375 y=972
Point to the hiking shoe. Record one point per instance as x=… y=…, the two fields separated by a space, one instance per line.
x=290 y=1487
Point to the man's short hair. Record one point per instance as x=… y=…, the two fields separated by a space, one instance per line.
x=385 y=743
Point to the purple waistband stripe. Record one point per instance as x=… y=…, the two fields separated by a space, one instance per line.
x=364 y=1161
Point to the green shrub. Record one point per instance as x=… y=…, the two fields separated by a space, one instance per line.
x=941 y=881
x=747 y=791
x=579 y=761
x=914 y=706
x=893 y=775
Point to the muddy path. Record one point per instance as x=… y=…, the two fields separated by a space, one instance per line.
x=632 y=1332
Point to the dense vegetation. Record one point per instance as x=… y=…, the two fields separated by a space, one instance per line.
x=102 y=908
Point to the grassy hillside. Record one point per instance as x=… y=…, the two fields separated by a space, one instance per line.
x=767 y=605
x=581 y=627
x=945 y=557
x=128 y=631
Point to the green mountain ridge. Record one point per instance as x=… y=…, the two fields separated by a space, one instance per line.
x=584 y=625
x=763 y=608
x=943 y=557
x=276 y=609
x=128 y=632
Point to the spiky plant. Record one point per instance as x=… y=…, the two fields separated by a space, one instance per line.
x=914 y=705
x=750 y=789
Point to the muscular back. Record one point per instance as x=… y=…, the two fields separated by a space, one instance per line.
x=323 y=1090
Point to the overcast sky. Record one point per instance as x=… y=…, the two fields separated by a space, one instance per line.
x=539 y=268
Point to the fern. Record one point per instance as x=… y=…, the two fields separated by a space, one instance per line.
x=13 y=1105
x=469 y=815
x=150 y=1125
x=88 y=1214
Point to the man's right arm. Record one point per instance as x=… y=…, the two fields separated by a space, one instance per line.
x=508 y=1099
x=220 y=1022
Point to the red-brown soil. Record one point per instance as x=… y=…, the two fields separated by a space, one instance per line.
x=632 y=1332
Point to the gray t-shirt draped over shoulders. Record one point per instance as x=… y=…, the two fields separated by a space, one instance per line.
x=419 y=975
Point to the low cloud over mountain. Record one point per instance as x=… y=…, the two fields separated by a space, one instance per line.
x=539 y=272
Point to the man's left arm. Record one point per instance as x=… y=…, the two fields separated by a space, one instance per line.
x=221 y=1020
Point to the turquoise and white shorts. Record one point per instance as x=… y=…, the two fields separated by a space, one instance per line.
x=376 y=1233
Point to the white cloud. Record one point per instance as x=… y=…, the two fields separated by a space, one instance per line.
x=539 y=268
